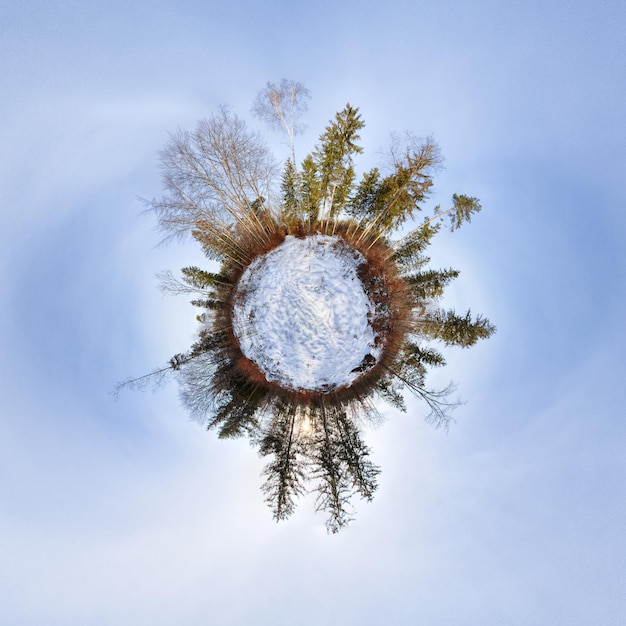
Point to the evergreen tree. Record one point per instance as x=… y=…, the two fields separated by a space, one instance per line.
x=430 y=284
x=239 y=416
x=388 y=390
x=310 y=193
x=463 y=209
x=386 y=202
x=334 y=485
x=290 y=192
x=455 y=330
x=286 y=472
x=333 y=160
x=353 y=452
x=408 y=252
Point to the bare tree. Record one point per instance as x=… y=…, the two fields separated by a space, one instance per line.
x=217 y=178
x=280 y=106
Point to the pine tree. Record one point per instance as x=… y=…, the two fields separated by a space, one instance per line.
x=334 y=485
x=310 y=190
x=238 y=415
x=430 y=284
x=385 y=203
x=463 y=209
x=285 y=473
x=388 y=390
x=455 y=330
x=408 y=252
x=289 y=187
x=333 y=159
x=352 y=451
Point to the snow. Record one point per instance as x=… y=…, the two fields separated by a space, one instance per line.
x=301 y=314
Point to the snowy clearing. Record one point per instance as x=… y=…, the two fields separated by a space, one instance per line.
x=301 y=314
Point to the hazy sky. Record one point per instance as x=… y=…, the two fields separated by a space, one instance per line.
x=129 y=513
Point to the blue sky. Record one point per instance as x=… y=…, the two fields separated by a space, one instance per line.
x=127 y=512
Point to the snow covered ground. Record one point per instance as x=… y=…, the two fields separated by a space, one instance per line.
x=302 y=315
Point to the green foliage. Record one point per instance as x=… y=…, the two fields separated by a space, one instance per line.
x=333 y=485
x=201 y=279
x=333 y=158
x=239 y=421
x=464 y=208
x=387 y=202
x=430 y=284
x=206 y=283
x=213 y=245
x=388 y=390
x=178 y=360
x=413 y=364
x=290 y=191
x=286 y=472
x=455 y=330
x=310 y=190
x=208 y=342
x=368 y=199
x=408 y=253
x=355 y=454
x=421 y=358
x=237 y=416
x=339 y=462
x=324 y=186
x=207 y=303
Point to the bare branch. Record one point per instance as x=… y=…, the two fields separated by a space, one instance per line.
x=280 y=106
x=218 y=176
x=155 y=380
